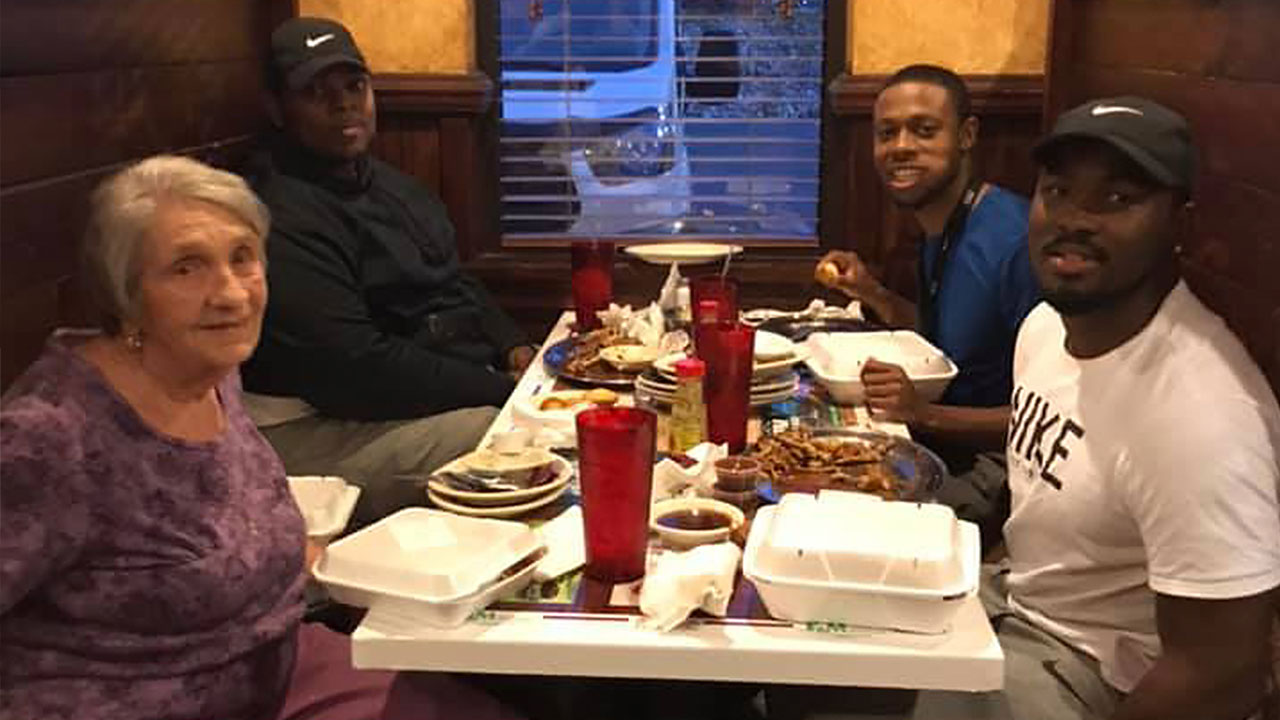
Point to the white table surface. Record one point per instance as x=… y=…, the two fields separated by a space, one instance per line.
x=549 y=642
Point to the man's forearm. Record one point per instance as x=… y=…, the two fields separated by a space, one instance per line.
x=983 y=428
x=1177 y=689
x=893 y=309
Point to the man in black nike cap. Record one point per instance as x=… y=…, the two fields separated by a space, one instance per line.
x=379 y=357
x=1144 y=455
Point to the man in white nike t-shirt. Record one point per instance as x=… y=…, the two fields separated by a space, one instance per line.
x=1144 y=539
x=1145 y=530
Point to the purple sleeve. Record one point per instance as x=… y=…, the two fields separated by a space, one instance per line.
x=44 y=510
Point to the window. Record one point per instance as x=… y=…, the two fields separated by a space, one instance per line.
x=660 y=118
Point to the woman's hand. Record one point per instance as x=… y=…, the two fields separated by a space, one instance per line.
x=314 y=551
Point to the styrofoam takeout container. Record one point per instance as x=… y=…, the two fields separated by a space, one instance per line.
x=443 y=566
x=837 y=360
x=872 y=563
x=326 y=503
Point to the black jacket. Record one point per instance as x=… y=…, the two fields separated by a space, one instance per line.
x=369 y=316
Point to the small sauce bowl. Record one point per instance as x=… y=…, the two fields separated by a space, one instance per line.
x=683 y=523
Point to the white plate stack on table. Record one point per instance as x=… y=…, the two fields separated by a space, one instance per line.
x=837 y=359
x=492 y=484
x=772 y=379
x=858 y=560
x=430 y=565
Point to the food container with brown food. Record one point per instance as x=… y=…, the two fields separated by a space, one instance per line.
x=812 y=459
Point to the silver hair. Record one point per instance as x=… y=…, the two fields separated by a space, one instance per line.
x=122 y=209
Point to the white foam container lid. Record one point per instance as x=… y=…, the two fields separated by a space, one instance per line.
x=326 y=503
x=425 y=555
x=837 y=360
x=862 y=561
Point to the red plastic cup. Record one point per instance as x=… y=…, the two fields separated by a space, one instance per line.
x=592 y=280
x=713 y=299
x=615 y=466
x=728 y=349
x=720 y=290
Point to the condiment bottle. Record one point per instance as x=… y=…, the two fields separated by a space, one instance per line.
x=688 y=412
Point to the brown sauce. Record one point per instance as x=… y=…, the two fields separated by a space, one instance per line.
x=695 y=520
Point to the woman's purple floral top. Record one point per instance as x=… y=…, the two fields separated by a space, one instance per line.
x=141 y=576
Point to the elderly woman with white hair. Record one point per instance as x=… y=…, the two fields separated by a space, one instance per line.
x=151 y=556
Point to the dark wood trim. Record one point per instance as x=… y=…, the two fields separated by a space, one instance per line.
x=1057 y=65
x=434 y=94
x=855 y=95
x=835 y=175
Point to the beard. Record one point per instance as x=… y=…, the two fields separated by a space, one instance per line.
x=1075 y=303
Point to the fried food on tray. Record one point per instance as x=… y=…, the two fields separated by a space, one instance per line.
x=601 y=396
x=566 y=399
x=796 y=460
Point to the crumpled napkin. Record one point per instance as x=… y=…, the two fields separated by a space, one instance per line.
x=671 y=479
x=817 y=309
x=682 y=582
x=669 y=295
x=646 y=325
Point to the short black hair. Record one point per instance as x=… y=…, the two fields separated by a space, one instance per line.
x=936 y=75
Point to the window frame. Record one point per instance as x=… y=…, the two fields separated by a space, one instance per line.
x=491 y=248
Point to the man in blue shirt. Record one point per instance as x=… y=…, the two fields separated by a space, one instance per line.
x=976 y=283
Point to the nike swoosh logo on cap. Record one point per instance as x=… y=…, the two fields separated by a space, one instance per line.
x=319 y=40
x=1113 y=109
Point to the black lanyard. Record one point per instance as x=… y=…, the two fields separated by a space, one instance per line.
x=931 y=285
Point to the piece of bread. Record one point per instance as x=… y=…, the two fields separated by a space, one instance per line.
x=602 y=396
x=827 y=273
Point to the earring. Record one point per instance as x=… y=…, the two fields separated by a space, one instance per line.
x=133 y=340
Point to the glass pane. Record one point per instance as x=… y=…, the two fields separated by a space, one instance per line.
x=702 y=117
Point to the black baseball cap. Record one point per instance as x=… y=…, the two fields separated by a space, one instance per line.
x=1153 y=136
x=303 y=46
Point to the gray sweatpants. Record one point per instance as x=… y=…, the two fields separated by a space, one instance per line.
x=1044 y=679
x=381 y=457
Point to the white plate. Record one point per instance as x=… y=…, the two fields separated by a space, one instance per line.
x=666 y=253
x=505 y=498
x=505 y=511
x=757 y=398
x=759 y=384
x=771 y=346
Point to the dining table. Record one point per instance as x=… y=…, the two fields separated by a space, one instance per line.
x=577 y=626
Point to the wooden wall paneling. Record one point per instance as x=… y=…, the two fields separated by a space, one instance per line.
x=1236 y=124
x=100 y=118
x=87 y=87
x=1229 y=39
x=66 y=36
x=457 y=158
x=388 y=143
x=1058 y=60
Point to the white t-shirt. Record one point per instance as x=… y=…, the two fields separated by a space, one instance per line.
x=1150 y=468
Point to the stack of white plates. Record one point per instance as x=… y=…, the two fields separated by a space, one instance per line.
x=764 y=390
x=498 y=503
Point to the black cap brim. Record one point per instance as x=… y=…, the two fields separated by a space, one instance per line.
x=1158 y=172
x=301 y=75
